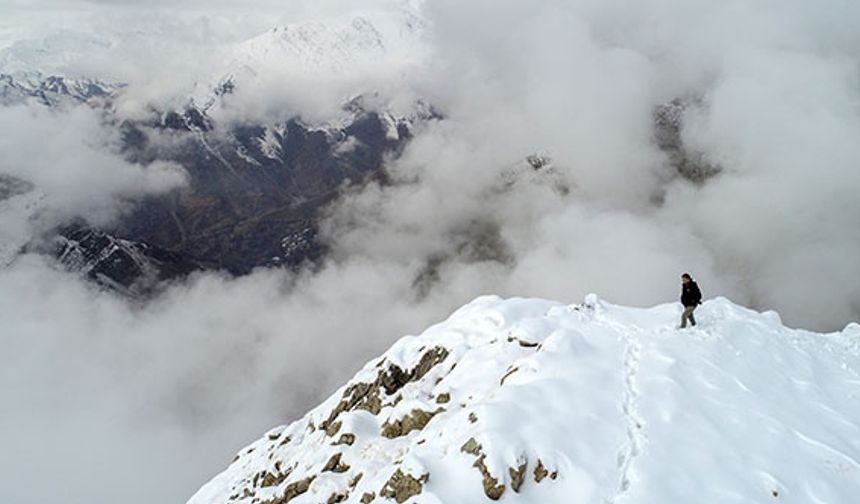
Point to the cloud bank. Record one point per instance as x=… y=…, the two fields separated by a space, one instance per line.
x=72 y=158
x=154 y=398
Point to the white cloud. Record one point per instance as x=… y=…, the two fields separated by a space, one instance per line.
x=73 y=159
x=144 y=403
x=214 y=361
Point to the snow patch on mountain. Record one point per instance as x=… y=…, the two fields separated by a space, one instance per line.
x=124 y=266
x=529 y=400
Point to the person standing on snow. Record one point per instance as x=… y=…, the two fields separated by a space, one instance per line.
x=691 y=297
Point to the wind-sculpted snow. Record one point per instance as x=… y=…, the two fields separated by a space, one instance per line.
x=529 y=400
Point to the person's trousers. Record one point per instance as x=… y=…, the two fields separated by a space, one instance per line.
x=688 y=315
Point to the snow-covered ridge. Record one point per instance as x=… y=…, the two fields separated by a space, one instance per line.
x=314 y=44
x=527 y=400
x=335 y=44
x=53 y=90
x=124 y=266
x=374 y=45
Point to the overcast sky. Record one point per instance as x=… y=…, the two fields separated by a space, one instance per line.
x=155 y=398
x=34 y=18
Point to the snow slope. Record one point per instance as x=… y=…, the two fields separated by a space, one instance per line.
x=335 y=45
x=52 y=53
x=527 y=400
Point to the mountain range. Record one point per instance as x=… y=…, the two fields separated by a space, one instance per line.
x=256 y=190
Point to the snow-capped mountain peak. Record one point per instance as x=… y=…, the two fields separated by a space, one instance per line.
x=337 y=44
x=528 y=400
x=53 y=90
x=315 y=44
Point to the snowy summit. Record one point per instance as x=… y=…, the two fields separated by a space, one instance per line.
x=527 y=400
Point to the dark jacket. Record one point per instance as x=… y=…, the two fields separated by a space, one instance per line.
x=690 y=294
